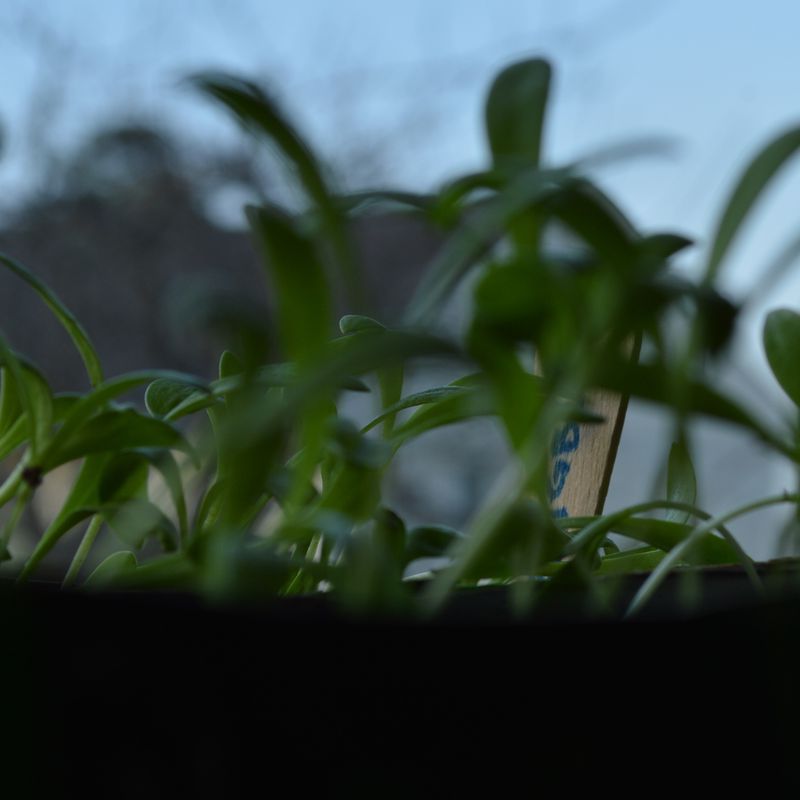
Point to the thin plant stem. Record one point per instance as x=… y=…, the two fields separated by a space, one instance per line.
x=83 y=551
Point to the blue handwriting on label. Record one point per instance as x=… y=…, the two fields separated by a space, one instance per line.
x=564 y=445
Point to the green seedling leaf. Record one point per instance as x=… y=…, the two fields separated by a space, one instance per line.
x=19 y=432
x=89 y=405
x=111 y=570
x=426 y=397
x=350 y=445
x=515 y=112
x=303 y=295
x=164 y=396
x=64 y=316
x=124 y=476
x=258 y=112
x=355 y=323
x=10 y=406
x=749 y=188
x=230 y=364
x=34 y=398
x=454 y=196
x=665 y=535
x=681 y=481
x=598 y=221
x=661 y=534
x=658 y=248
x=170 y=571
x=638 y=559
x=115 y=430
x=135 y=521
x=167 y=466
x=448 y=408
x=121 y=477
x=275 y=376
x=782 y=345
x=471 y=241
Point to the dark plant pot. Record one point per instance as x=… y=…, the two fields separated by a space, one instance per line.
x=159 y=695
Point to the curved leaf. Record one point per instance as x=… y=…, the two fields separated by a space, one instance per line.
x=681 y=481
x=515 y=112
x=748 y=190
x=75 y=330
x=782 y=345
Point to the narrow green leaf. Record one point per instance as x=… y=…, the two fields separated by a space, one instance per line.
x=230 y=364
x=422 y=398
x=681 y=481
x=10 y=407
x=114 y=430
x=163 y=395
x=136 y=520
x=89 y=405
x=111 y=569
x=261 y=114
x=666 y=534
x=33 y=397
x=782 y=345
x=302 y=292
x=749 y=188
x=638 y=559
x=64 y=316
x=515 y=112
x=354 y=323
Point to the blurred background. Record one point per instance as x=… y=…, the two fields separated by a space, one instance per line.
x=124 y=190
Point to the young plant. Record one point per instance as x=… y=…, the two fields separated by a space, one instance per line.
x=273 y=492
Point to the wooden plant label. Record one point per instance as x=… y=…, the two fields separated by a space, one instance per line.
x=583 y=458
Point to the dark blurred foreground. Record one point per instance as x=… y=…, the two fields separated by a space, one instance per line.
x=128 y=696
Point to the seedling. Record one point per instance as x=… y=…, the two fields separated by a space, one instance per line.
x=271 y=491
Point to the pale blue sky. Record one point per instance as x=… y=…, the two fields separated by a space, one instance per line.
x=407 y=79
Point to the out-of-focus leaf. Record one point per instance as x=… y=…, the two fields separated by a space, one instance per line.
x=257 y=111
x=115 y=430
x=120 y=475
x=515 y=113
x=782 y=345
x=302 y=292
x=136 y=520
x=34 y=397
x=681 y=481
x=597 y=220
x=10 y=406
x=356 y=323
x=88 y=405
x=638 y=559
x=426 y=397
x=475 y=236
x=655 y=250
x=163 y=396
x=111 y=570
x=64 y=316
x=749 y=188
